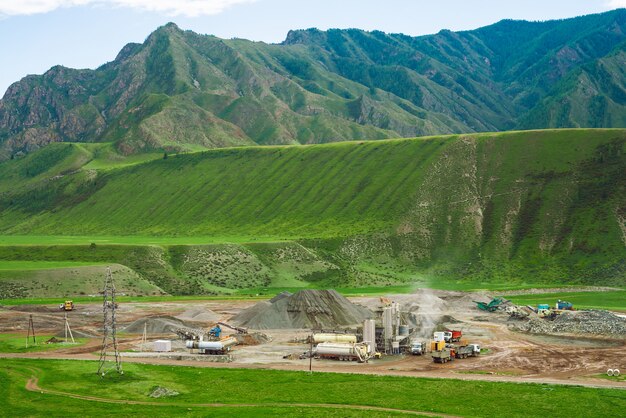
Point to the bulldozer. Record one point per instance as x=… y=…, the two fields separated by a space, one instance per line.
x=68 y=305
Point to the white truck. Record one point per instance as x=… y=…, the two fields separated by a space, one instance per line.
x=418 y=348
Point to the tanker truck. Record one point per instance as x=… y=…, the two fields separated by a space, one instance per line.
x=334 y=338
x=212 y=347
x=342 y=351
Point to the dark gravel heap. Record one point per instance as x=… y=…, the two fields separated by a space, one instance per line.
x=306 y=309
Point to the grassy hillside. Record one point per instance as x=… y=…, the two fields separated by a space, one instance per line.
x=518 y=207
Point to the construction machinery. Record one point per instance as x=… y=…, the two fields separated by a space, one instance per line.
x=544 y=311
x=418 y=348
x=215 y=332
x=333 y=338
x=239 y=330
x=451 y=336
x=564 y=306
x=518 y=312
x=491 y=306
x=343 y=351
x=221 y=346
x=465 y=350
x=66 y=306
x=475 y=350
x=444 y=355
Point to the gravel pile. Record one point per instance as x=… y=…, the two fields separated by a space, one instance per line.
x=155 y=325
x=578 y=322
x=306 y=309
x=198 y=315
x=254 y=338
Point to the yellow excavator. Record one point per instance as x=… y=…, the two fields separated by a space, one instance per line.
x=67 y=306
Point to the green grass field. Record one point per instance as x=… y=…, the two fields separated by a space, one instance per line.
x=275 y=391
x=615 y=300
x=13 y=343
x=606 y=300
x=42 y=265
x=36 y=240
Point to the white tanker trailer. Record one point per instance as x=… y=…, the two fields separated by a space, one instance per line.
x=342 y=351
x=212 y=347
x=333 y=338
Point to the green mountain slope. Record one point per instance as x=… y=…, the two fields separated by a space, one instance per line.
x=180 y=91
x=520 y=206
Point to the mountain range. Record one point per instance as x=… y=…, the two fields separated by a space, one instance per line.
x=181 y=91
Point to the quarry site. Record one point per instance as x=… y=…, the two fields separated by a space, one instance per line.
x=417 y=334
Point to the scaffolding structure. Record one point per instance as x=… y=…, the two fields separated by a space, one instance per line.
x=68 y=330
x=31 y=331
x=109 y=328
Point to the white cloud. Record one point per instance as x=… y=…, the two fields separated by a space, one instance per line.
x=190 y=8
x=616 y=4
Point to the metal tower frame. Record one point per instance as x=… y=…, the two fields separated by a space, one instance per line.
x=31 y=331
x=109 y=327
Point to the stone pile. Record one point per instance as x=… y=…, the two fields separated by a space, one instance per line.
x=600 y=323
x=306 y=309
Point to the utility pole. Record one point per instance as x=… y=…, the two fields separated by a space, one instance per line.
x=109 y=327
x=31 y=330
x=68 y=330
x=311 y=354
x=144 y=337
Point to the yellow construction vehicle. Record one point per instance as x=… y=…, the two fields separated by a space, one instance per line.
x=67 y=306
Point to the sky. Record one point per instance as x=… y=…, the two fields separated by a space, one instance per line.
x=38 y=34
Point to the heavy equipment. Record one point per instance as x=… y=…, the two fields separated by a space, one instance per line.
x=215 y=332
x=465 y=350
x=563 y=305
x=544 y=311
x=212 y=347
x=68 y=305
x=452 y=335
x=475 y=350
x=342 y=351
x=518 y=312
x=418 y=348
x=239 y=330
x=491 y=306
x=446 y=354
x=333 y=338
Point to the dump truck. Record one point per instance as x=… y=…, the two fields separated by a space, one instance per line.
x=563 y=305
x=451 y=336
x=475 y=350
x=465 y=350
x=68 y=305
x=443 y=356
x=441 y=352
x=417 y=348
x=342 y=351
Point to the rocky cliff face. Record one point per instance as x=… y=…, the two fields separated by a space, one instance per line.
x=180 y=90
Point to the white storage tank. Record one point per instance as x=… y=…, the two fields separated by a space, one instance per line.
x=162 y=346
x=333 y=338
x=369 y=334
